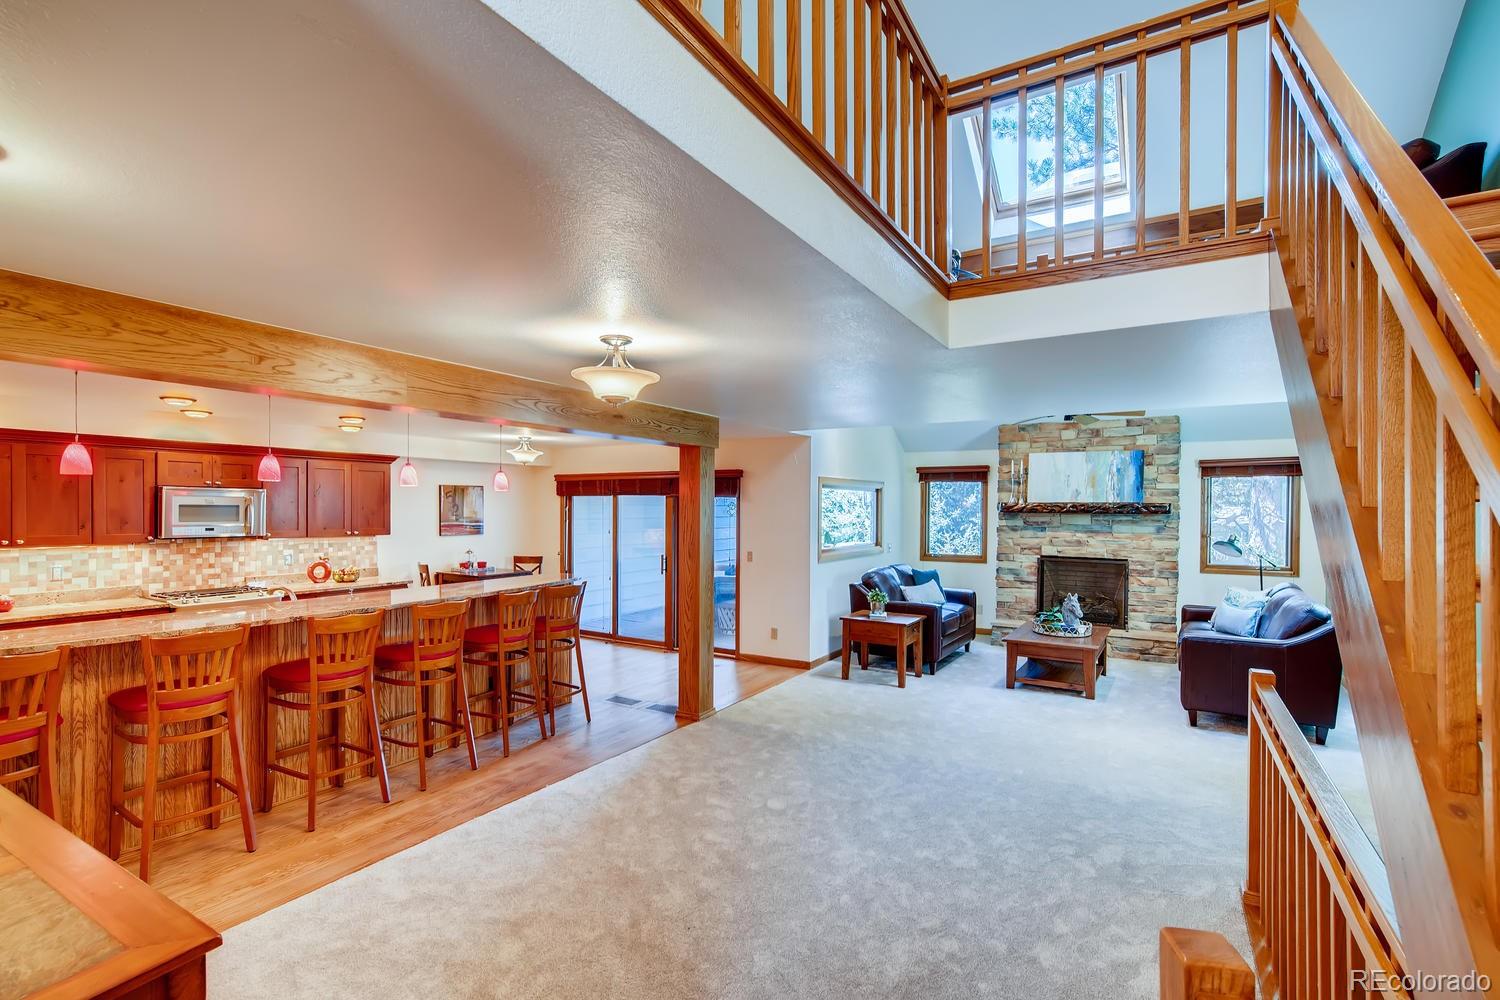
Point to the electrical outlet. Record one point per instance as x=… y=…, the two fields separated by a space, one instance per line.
x=57 y=571
x=775 y=632
x=749 y=556
x=286 y=559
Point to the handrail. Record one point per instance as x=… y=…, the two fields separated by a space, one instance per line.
x=1305 y=847
x=886 y=153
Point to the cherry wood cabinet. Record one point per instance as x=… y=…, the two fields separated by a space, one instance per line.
x=124 y=495
x=7 y=465
x=286 y=501
x=348 y=498
x=237 y=471
x=47 y=507
x=205 y=468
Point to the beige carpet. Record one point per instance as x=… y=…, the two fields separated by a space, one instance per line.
x=823 y=839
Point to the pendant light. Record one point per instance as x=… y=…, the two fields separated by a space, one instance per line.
x=524 y=452
x=270 y=466
x=75 y=457
x=615 y=380
x=502 y=481
x=408 y=475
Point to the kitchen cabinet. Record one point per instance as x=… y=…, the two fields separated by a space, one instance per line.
x=124 y=500
x=206 y=468
x=348 y=498
x=286 y=501
x=7 y=465
x=47 y=507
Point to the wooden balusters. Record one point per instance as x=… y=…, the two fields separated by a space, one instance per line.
x=1489 y=656
x=1392 y=458
x=1457 y=661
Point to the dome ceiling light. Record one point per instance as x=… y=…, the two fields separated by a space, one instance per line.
x=615 y=380
x=524 y=452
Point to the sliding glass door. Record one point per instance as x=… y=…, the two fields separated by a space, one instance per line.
x=591 y=533
x=641 y=555
x=726 y=573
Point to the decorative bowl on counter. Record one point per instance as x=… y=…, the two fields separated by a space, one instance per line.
x=348 y=574
x=6 y=602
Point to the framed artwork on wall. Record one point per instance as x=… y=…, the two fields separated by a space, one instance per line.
x=1085 y=477
x=460 y=510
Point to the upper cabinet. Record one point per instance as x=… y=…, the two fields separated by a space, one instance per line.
x=369 y=498
x=124 y=495
x=286 y=501
x=195 y=468
x=348 y=498
x=47 y=507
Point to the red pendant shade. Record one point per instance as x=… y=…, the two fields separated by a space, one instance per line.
x=76 y=460
x=270 y=469
x=408 y=475
x=502 y=481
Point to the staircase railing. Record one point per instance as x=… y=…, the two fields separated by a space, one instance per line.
x=1391 y=366
x=849 y=86
x=1086 y=106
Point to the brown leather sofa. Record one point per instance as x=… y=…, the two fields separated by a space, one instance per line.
x=1294 y=640
x=948 y=625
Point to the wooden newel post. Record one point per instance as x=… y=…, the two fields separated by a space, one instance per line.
x=1202 y=965
x=1259 y=680
x=695 y=583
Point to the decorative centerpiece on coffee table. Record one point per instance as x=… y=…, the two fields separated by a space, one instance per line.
x=1064 y=620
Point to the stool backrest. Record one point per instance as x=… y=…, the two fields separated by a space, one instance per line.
x=424 y=575
x=561 y=604
x=516 y=619
x=30 y=689
x=527 y=564
x=338 y=646
x=192 y=667
x=438 y=633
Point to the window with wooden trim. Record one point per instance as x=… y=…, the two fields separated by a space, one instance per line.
x=850 y=518
x=1254 y=505
x=955 y=512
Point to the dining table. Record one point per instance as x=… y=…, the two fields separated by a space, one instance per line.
x=459 y=574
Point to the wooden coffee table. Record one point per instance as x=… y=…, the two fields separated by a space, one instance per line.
x=1055 y=662
x=896 y=631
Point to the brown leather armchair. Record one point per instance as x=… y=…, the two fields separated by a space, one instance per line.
x=1294 y=640
x=948 y=625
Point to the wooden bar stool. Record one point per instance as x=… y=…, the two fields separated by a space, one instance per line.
x=501 y=648
x=432 y=659
x=558 y=608
x=30 y=690
x=189 y=679
x=340 y=662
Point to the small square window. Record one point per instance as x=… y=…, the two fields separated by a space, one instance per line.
x=955 y=513
x=849 y=518
x=1251 y=510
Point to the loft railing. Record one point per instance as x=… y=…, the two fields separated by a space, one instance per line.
x=1391 y=367
x=1316 y=899
x=848 y=85
x=1109 y=109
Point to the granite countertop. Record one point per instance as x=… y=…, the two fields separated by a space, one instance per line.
x=303 y=587
x=63 y=610
x=186 y=620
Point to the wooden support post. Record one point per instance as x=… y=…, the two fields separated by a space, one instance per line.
x=695 y=583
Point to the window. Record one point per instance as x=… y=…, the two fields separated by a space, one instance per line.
x=849 y=518
x=1254 y=503
x=955 y=512
x=1041 y=166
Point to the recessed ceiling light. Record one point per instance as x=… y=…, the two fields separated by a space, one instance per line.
x=351 y=418
x=350 y=428
x=197 y=414
x=177 y=401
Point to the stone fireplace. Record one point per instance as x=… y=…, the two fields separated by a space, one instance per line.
x=1142 y=544
x=1101 y=586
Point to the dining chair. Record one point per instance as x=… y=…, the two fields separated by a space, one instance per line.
x=526 y=564
x=424 y=575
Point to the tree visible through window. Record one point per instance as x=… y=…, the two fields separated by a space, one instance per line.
x=955 y=501
x=849 y=517
x=1255 y=506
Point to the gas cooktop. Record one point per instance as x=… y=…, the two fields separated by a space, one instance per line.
x=243 y=593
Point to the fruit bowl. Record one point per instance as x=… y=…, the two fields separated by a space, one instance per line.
x=348 y=574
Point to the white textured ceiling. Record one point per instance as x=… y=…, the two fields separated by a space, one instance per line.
x=425 y=178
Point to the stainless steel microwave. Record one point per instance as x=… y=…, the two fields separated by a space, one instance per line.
x=212 y=512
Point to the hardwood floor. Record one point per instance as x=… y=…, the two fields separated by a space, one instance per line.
x=632 y=692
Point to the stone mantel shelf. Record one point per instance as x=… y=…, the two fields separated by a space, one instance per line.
x=1086 y=508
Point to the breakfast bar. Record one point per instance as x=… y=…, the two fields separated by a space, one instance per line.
x=106 y=658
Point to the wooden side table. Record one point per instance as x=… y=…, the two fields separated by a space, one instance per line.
x=897 y=631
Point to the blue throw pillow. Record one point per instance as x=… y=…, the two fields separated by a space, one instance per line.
x=921 y=576
x=1239 y=612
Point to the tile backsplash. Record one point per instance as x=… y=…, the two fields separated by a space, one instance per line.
x=174 y=565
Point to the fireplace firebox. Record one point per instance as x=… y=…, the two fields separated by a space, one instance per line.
x=1099 y=583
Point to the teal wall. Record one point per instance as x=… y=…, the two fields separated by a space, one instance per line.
x=1465 y=108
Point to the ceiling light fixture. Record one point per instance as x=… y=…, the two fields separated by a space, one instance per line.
x=177 y=401
x=350 y=428
x=524 y=452
x=502 y=481
x=197 y=414
x=615 y=380
x=75 y=459
x=270 y=466
x=408 y=475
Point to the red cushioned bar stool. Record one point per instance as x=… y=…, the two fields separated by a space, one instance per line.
x=431 y=660
x=189 y=695
x=501 y=648
x=30 y=690
x=558 y=608
x=338 y=676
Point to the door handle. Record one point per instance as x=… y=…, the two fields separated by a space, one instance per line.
x=663 y=564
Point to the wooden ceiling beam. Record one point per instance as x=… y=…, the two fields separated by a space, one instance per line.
x=49 y=322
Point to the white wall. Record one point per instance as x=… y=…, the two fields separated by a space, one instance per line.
x=508 y=519
x=773 y=577
x=873 y=454
x=978 y=577
x=1207 y=435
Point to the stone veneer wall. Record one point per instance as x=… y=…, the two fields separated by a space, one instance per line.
x=172 y=565
x=1149 y=541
